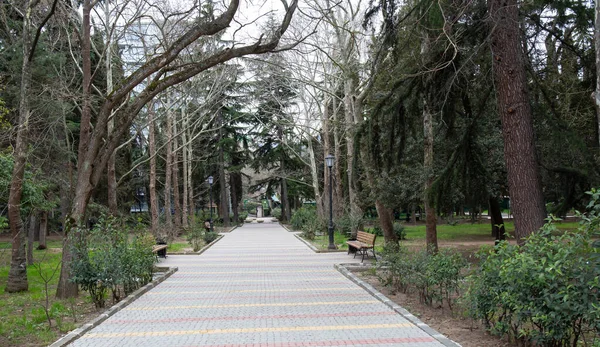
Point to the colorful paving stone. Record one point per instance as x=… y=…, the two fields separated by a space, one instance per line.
x=257 y=287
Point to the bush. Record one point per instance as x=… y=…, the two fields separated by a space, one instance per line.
x=195 y=238
x=313 y=227
x=348 y=223
x=242 y=216
x=276 y=212
x=301 y=216
x=106 y=259
x=545 y=292
x=400 y=231
x=210 y=237
x=435 y=277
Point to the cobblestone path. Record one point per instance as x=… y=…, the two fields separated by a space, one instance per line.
x=257 y=287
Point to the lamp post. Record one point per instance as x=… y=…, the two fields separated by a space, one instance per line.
x=329 y=161
x=210 y=182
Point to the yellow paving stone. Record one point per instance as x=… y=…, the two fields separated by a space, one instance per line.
x=172 y=292
x=248 y=330
x=152 y=308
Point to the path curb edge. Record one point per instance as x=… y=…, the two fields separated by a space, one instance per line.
x=77 y=333
x=344 y=270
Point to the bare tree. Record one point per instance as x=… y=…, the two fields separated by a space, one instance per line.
x=96 y=145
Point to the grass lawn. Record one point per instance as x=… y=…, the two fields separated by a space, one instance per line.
x=465 y=232
x=178 y=247
x=23 y=320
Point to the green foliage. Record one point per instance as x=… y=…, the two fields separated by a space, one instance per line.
x=276 y=212
x=545 y=292
x=250 y=206
x=399 y=231
x=348 y=223
x=435 y=277
x=195 y=238
x=33 y=187
x=301 y=216
x=306 y=219
x=242 y=216
x=210 y=237
x=107 y=259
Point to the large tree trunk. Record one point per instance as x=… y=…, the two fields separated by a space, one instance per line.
x=386 y=220
x=85 y=167
x=184 y=151
x=517 y=124
x=349 y=121
x=152 y=176
x=597 y=49
x=430 y=221
x=338 y=189
x=223 y=196
x=175 y=178
x=110 y=170
x=168 y=171
x=192 y=205
x=17 y=275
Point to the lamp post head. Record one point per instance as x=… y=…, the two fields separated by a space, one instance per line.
x=329 y=159
x=210 y=180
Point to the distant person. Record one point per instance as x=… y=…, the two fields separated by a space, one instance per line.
x=207 y=225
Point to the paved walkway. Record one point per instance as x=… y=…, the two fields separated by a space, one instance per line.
x=257 y=287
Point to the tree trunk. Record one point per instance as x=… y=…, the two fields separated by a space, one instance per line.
x=17 y=275
x=597 y=48
x=152 y=176
x=430 y=221
x=168 y=170
x=349 y=120
x=338 y=189
x=223 y=196
x=176 y=197
x=67 y=289
x=386 y=220
x=43 y=230
x=184 y=145
x=30 y=238
x=496 y=219
x=517 y=124
x=315 y=177
x=110 y=170
x=192 y=205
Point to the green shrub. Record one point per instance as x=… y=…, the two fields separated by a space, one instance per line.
x=195 y=238
x=545 y=292
x=400 y=231
x=242 y=216
x=276 y=212
x=348 y=223
x=107 y=259
x=313 y=227
x=210 y=237
x=435 y=277
x=301 y=216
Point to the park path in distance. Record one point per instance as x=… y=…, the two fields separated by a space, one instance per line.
x=258 y=286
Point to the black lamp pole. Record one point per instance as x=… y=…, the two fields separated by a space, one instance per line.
x=329 y=161
x=210 y=182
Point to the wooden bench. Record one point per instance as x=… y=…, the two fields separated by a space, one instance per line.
x=158 y=248
x=364 y=241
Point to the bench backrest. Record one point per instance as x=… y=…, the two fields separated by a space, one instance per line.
x=367 y=238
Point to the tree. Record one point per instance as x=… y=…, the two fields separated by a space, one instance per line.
x=527 y=202
x=96 y=146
